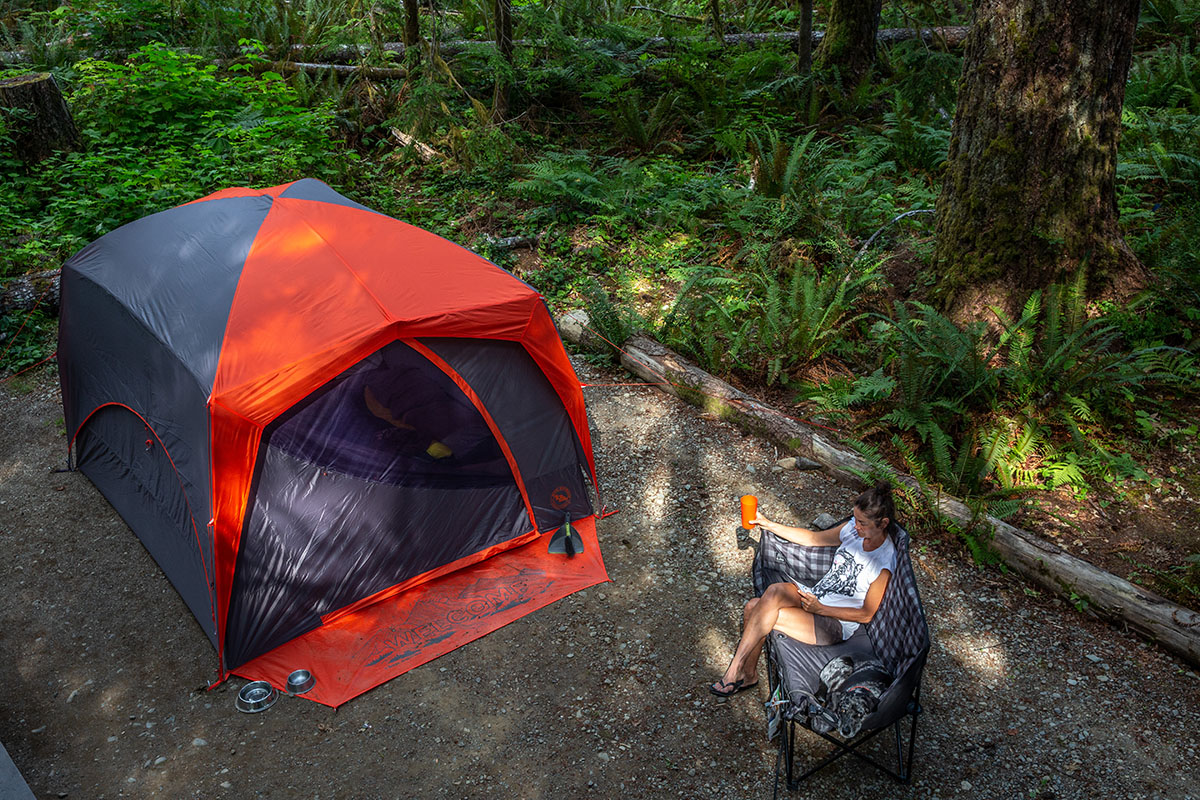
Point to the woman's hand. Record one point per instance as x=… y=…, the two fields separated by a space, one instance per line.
x=810 y=603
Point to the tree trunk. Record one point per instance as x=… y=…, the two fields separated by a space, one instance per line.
x=714 y=11
x=412 y=24
x=1028 y=198
x=504 y=44
x=848 y=48
x=36 y=116
x=804 y=42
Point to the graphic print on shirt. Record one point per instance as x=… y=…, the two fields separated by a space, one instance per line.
x=842 y=577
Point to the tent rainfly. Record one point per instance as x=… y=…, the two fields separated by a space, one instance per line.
x=345 y=440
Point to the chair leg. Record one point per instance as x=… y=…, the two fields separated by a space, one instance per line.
x=782 y=754
x=900 y=761
x=790 y=753
x=902 y=772
x=912 y=736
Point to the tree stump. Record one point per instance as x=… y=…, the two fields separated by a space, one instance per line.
x=36 y=116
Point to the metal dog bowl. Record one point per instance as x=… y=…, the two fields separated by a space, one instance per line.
x=300 y=682
x=256 y=696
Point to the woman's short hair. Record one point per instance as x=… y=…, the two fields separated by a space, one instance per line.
x=877 y=504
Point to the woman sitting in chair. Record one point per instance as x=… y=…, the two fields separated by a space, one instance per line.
x=847 y=596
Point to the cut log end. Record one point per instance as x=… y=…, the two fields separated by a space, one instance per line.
x=39 y=121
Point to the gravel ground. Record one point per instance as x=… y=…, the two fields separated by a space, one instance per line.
x=600 y=695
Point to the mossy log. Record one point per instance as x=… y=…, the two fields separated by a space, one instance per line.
x=1174 y=628
x=36 y=116
x=374 y=73
x=948 y=37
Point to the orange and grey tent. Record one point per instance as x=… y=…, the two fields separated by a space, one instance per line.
x=345 y=440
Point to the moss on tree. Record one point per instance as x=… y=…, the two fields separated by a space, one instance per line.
x=1029 y=197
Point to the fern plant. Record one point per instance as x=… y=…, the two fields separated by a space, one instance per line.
x=564 y=180
x=762 y=322
x=615 y=323
x=780 y=168
x=800 y=320
x=835 y=398
x=1060 y=363
x=936 y=363
x=1159 y=149
x=645 y=127
x=709 y=320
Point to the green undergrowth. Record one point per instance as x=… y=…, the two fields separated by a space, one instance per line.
x=713 y=196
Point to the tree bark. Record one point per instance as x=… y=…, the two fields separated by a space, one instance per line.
x=1028 y=198
x=37 y=116
x=412 y=23
x=848 y=47
x=714 y=11
x=804 y=41
x=504 y=44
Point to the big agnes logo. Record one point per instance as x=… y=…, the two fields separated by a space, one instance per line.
x=560 y=498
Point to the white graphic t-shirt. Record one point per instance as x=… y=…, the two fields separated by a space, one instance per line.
x=852 y=573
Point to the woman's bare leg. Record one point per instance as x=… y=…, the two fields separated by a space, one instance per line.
x=761 y=615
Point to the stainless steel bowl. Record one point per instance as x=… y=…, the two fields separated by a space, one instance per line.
x=300 y=682
x=256 y=696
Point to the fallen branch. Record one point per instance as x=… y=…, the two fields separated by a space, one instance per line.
x=423 y=151
x=1107 y=596
x=509 y=242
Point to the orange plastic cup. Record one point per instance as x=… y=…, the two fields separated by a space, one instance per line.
x=749 y=510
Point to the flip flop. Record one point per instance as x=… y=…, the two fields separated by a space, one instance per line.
x=738 y=686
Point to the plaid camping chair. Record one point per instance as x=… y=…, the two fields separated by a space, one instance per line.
x=898 y=636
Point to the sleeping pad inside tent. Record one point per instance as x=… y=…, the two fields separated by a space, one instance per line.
x=345 y=440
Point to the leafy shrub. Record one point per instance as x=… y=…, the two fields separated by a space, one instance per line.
x=160 y=130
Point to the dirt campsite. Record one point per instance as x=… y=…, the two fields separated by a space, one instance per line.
x=602 y=694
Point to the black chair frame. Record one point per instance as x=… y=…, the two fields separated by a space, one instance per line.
x=902 y=771
x=899 y=635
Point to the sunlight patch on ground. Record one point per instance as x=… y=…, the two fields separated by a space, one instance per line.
x=716 y=647
x=11 y=470
x=981 y=655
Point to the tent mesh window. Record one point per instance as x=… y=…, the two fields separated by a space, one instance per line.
x=385 y=473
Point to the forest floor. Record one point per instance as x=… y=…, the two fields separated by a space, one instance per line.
x=602 y=694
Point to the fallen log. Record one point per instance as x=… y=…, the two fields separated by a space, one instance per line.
x=424 y=152
x=24 y=292
x=950 y=37
x=374 y=73
x=509 y=242
x=1174 y=628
